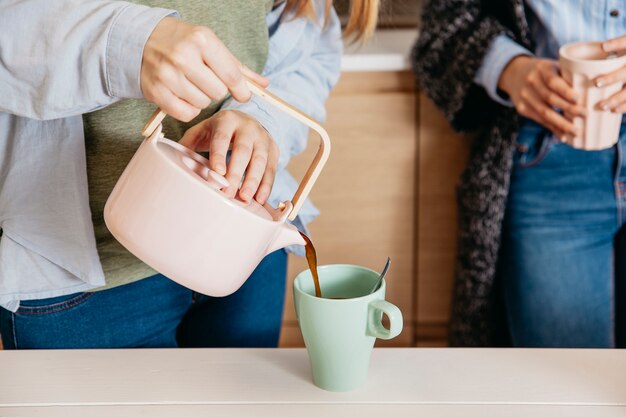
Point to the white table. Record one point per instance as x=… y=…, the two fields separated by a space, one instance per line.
x=273 y=382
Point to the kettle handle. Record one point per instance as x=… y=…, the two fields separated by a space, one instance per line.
x=319 y=160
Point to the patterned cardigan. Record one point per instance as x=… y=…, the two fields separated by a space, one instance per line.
x=455 y=36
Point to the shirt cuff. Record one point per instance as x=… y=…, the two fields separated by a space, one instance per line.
x=502 y=50
x=129 y=33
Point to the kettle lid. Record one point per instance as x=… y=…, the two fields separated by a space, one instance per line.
x=195 y=163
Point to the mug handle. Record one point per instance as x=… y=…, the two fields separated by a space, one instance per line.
x=318 y=161
x=375 y=328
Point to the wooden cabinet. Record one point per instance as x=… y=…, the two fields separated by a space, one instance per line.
x=388 y=190
x=367 y=191
x=442 y=156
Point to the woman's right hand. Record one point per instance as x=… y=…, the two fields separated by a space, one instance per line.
x=537 y=90
x=185 y=67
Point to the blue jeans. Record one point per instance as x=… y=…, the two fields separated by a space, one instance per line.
x=153 y=313
x=562 y=262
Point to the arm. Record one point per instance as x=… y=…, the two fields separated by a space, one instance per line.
x=487 y=54
x=455 y=37
x=501 y=52
x=66 y=63
x=75 y=56
x=303 y=66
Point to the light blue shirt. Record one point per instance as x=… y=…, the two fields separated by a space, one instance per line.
x=55 y=66
x=553 y=23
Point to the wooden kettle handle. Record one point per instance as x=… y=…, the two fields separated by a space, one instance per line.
x=319 y=160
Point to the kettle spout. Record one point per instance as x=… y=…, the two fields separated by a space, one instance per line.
x=288 y=235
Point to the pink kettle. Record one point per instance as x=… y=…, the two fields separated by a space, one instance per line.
x=168 y=209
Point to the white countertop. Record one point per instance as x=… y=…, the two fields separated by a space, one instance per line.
x=388 y=50
x=277 y=382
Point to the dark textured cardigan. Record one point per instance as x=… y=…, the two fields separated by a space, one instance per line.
x=455 y=36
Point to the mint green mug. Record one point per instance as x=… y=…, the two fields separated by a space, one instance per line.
x=340 y=329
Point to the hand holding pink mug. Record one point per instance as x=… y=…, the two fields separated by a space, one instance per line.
x=591 y=70
x=539 y=92
x=617 y=102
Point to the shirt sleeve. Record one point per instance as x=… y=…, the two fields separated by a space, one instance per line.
x=67 y=63
x=303 y=65
x=502 y=50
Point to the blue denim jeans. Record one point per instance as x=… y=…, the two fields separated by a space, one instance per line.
x=154 y=313
x=562 y=262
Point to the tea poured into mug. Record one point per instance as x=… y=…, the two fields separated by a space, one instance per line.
x=311 y=258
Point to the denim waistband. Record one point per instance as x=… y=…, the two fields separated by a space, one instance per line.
x=524 y=121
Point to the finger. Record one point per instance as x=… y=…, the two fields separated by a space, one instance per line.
x=178 y=84
x=239 y=159
x=187 y=91
x=532 y=114
x=171 y=104
x=227 y=68
x=547 y=114
x=552 y=128
x=196 y=136
x=614 y=44
x=613 y=102
x=557 y=84
x=555 y=99
x=257 y=78
x=611 y=78
x=205 y=80
x=221 y=137
x=255 y=171
x=265 y=188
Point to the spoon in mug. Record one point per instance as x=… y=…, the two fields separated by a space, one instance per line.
x=381 y=277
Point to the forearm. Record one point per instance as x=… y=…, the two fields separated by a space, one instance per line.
x=64 y=64
x=500 y=54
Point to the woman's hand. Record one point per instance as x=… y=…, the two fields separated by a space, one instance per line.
x=537 y=90
x=185 y=67
x=617 y=102
x=253 y=152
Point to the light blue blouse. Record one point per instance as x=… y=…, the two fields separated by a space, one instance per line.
x=55 y=66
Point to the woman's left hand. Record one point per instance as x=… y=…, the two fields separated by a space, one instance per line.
x=617 y=102
x=254 y=152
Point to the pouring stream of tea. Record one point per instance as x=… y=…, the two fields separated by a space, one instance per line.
x=311 y=257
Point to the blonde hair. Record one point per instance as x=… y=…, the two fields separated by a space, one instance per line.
x=361 y=23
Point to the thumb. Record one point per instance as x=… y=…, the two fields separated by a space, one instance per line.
x=253 y=76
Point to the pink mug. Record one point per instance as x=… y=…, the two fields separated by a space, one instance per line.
x=581 y=63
